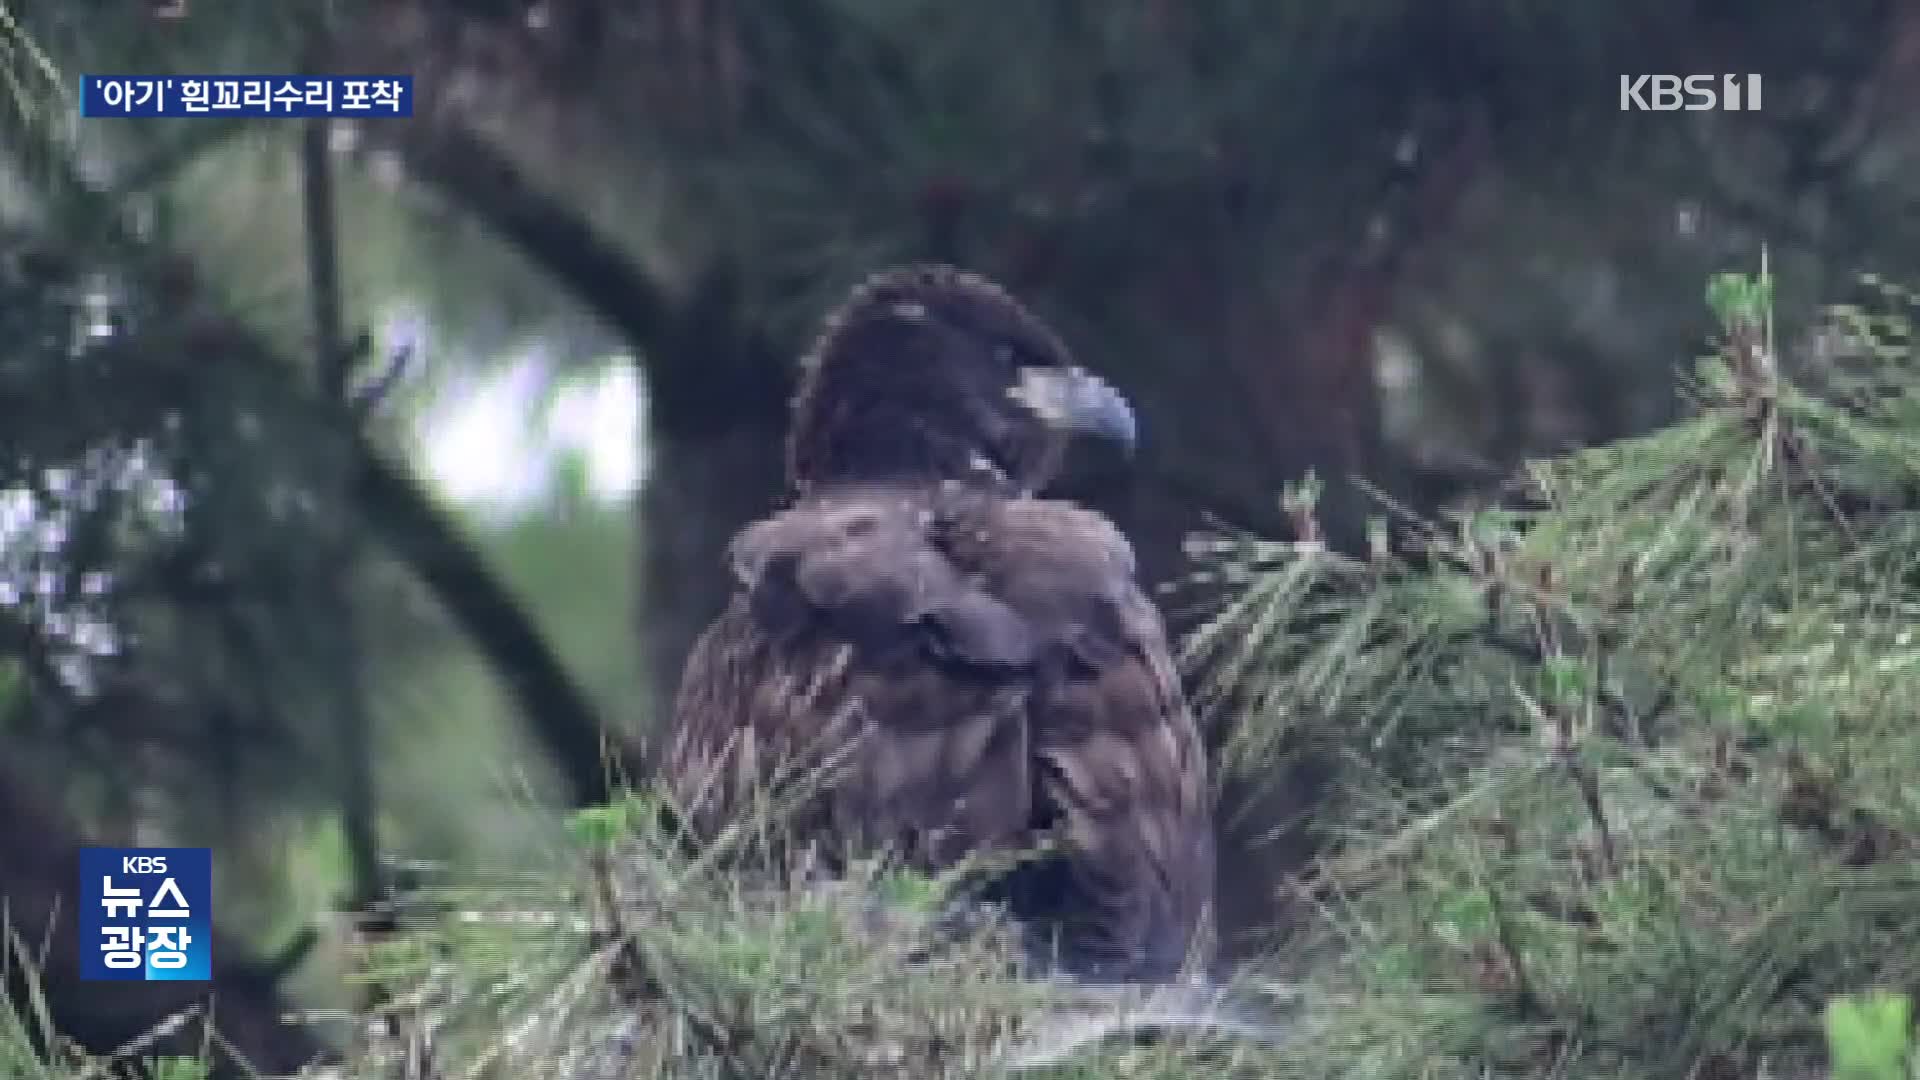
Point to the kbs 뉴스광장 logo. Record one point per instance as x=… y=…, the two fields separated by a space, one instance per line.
x=146 y=914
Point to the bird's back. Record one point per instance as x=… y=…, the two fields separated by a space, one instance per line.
x=963 y=674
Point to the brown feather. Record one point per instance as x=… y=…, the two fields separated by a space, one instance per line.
x=990 y=676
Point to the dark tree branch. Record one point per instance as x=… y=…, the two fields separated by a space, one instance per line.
x=423 y=537
x=485 y=183
x=705 y=357
x=359 y=796
x=717 y=386
x=429 y=542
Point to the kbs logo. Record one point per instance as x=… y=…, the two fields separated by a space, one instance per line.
x=146 y=914
x=1693 y=93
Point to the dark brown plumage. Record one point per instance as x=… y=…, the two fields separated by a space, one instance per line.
x=978 y=666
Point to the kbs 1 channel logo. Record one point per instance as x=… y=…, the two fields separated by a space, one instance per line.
x=1690 y=93
x=146 y=914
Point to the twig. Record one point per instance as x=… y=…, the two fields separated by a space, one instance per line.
x=369 y=396
x=1523 y=993
x=1589 y=785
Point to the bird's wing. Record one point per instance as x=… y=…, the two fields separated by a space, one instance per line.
x=854 y=644
x=1119 y=762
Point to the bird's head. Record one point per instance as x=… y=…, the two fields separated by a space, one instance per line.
x=935 y=373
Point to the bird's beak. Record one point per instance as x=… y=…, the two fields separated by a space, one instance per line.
x=1076 y=400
